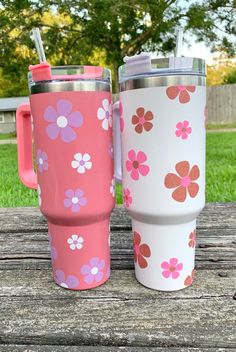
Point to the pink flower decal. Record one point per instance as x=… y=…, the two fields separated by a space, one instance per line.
x=141 y=251
x=189 y=279
x=68 y=282
x=135 y=164
x=122 y=122
x=181 y=91
x=183 y=182
x=171 y=268
x=183 y=129
x=142 y=120
x=192 y=239
x=62 y=119
x=127 y=199
x=41 y=160
x=75 y=199
x=93 y=270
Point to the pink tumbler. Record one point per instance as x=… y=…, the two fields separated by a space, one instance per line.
x=72 y=133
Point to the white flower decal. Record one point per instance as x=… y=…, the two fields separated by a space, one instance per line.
x=75 y=242
x=81 y=162
x=112 y=187
x=105 y=114
x=39 y=196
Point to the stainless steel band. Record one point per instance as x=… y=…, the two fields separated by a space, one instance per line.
x=49 y=87
x=162 y=81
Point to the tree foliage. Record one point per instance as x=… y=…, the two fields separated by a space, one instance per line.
x=104 y=31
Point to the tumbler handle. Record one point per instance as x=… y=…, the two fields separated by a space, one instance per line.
x=117 y=141
x=24 y=146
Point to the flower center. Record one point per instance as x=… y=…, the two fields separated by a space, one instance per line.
x=135 y=164
x=82 y=162
x=183 y=129
x=181 y=88
x=185 y=181
x=40 y=161
x=171 y=269
x=107 y=115
x=94 y=270
x=62 y=121
x=75 y=241
x=142 y=120
x=75 y=200
x=136 y=249
x=63 y=284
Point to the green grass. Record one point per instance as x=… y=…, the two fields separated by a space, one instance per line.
x=7 y=135
x=221 y=126
x=221 y=173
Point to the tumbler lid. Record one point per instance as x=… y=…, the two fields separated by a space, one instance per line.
x=140 y=66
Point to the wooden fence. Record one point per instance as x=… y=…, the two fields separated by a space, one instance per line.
x=221 y=104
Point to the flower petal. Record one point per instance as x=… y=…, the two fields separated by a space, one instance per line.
x=179 y=267
x=105 y=104
x=101 y=114
x=191 y=88
x=193 y=189
x=75 y=119
x=172 y=92
x=129 y=165
x=81 y=169
x=179 y=125
x=184 y=135
x=60 y=276
x=89 y=279
x=142 y=261
x=68 y=134
x=180 y=194
x=78 y=156
x=67 y=202
x=105 y=124
x=83 y=201
x=99 y=276
x=86 y=157
x=165 y=265
x=134 y=174
x=143 y=169
x=44 y=156
x=166 y=273
x=185 y=124
x=85 y=269
x=88 y=165
x=148 y=116
x=141 y=157
x=194 y=173
x=139 y=128
x=132 y=155
x=94 y=261
x=50 y=114
x=52 y=130
x=147 y=126
x=72 y=281
x=140 y=112
x=69 y=193
x=75 y=208
x=137 y=238
x=135 y=120
x=188 y=281
x=184 y=97
x=173 y=261
x=175 y=274
x=145 y=250
x=182 y=168
x=64 y=107
x=75 y=164
x=178 y=133
x=172 y=180
x=101 y=264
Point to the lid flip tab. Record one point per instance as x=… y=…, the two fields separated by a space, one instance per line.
x=137 y=64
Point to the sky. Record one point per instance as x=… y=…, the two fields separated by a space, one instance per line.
x=198 y=50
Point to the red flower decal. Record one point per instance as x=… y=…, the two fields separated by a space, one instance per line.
x=192 y=239
x=181 y=91
x=189 y=279
x=183 y=181
x=141 y=251
x=142 y=120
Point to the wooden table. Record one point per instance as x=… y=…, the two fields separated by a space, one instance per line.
x=121 y=315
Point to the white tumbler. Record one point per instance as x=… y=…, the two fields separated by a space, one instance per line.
x=162 y=120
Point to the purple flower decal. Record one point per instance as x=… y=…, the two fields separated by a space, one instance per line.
x=41 y=160
x=93 y=270
x=75 y=199
x=52 y=248
x=62 y=119
x=68 y=282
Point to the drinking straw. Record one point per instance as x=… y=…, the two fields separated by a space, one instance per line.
x=39 y=44
x=179 y=43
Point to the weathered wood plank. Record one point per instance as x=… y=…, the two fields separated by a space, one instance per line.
x=44 y=348
x=215 y=215
x=120 y=313
x=216 y=248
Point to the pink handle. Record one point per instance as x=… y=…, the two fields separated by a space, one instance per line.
x=117 y=142
x=24 y=143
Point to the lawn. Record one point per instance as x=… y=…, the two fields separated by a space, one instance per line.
x=221 y=173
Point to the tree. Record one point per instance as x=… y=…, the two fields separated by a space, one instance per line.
x=87 y=31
